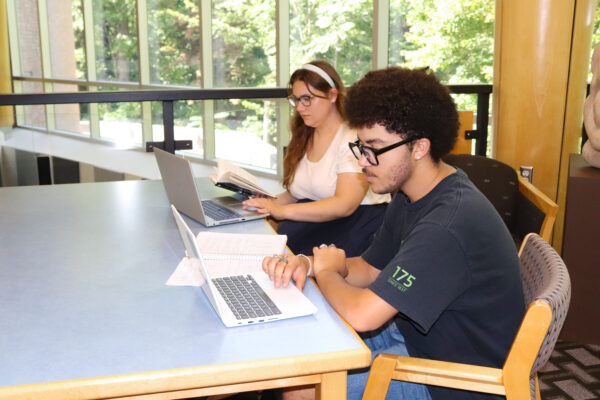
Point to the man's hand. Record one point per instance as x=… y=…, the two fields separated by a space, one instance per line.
x=285 y=267
x=330 y=258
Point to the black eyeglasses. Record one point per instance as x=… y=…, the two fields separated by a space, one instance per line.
x=370 y=153
x=304 y=100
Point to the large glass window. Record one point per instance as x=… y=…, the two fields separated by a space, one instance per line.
x=244 y=56
x=115 y=36
x=29 y=39
x=30 y=61
x=243 y=43
x=187 y=124
x=121 y=123
x=454 y=38
x=64 y=40
x=34 y=116
x=595 y=33
x=71 y=118
x=337 y=31
x=67 y=59
x=174 y=41
x=246 y=131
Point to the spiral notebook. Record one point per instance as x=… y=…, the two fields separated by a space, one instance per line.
x=230 y=268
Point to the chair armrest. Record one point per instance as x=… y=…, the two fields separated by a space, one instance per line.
x=438 y=373
x=544 y=203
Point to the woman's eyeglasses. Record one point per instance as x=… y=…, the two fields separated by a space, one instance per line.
x=370 y=153
x=305 y=100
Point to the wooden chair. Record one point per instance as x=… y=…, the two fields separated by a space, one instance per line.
x=523 y=207
x=547 y=289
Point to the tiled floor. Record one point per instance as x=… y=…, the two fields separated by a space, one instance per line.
x=572 y=373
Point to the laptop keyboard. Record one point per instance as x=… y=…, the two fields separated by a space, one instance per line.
x=245 y=297
x=217 y=211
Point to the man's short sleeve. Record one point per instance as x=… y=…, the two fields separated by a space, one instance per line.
x=427 y=273
x=382 y=248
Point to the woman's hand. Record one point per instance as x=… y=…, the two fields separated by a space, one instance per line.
x=266 y=206
x=282 y=268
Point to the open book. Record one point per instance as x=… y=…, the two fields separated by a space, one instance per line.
x=236 y=179
x=227 y=254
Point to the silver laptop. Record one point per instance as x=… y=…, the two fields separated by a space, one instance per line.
x=178 y=179
x=248 y=298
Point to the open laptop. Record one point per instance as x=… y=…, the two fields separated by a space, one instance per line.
x=178 y=179
x=248 y=298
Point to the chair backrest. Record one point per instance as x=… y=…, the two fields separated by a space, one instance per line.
x=499 y=182
x=546 y=283
x=522 y=206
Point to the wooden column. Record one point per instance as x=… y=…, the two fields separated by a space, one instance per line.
x=6 y=113
x=541 y=58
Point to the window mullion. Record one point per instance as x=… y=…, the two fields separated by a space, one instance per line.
x=144 y=68
x=46 y=60
x=283 y=76
x=208 y=118
x=90 y=62
x=381 y=22
x=15 y=54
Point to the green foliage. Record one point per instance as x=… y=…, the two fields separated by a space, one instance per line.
x=338 y=31
x=244 y=43
x=174 y=38
x=596 y=33
x=244 y=56
x=115 y=32
x=453 y=38
x=78 y=33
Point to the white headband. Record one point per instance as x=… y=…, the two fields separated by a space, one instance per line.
x=319 y=72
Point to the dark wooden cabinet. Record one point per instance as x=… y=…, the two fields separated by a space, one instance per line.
x=581 y=251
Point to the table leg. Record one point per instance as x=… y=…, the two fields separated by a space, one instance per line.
x=332 y=386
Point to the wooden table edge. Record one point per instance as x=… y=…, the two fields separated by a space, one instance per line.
x=223 y=378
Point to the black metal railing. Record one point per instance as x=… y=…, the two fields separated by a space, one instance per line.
x=482 y=114
x=167 y=97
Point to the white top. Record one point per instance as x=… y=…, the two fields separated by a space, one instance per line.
x=317 y=180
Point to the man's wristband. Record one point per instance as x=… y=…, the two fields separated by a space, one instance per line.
x=309 y=263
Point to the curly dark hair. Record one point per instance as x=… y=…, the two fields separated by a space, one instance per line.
x=411 y=103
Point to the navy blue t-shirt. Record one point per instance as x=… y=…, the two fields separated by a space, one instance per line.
x=450 y=267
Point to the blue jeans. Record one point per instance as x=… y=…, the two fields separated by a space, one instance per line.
x=387 y=339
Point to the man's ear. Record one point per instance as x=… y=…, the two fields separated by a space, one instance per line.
x=421 y=148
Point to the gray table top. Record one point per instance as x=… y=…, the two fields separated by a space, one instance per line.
x=82 y=290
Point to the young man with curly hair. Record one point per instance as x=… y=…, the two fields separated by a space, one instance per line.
x=441 y=279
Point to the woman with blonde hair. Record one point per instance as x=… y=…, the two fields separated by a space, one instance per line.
x=327 y=199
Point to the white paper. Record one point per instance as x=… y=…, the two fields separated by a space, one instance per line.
x=240 y=243
x=227 y=254
x=186 y=274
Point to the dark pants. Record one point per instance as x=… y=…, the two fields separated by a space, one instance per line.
x=353 y=233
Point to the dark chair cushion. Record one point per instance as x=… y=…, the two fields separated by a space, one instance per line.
x=497 y=181
x=530 y=218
